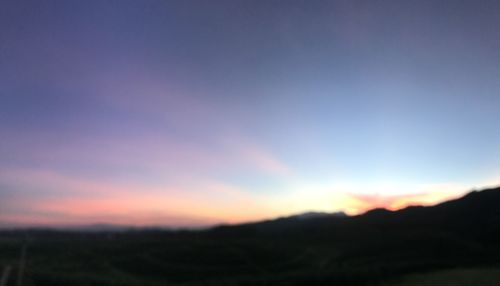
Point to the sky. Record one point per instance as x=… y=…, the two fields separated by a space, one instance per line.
x=192 y=113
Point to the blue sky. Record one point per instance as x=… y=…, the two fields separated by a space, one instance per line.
x=198 y=112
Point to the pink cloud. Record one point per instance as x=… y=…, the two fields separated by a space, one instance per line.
x=364 y=202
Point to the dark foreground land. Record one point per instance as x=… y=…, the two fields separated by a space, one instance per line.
x=453 y=243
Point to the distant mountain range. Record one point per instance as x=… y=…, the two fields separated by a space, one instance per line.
x=476 y=214
x=472 y=211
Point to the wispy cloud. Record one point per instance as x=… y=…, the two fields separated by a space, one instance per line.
x=417 y=195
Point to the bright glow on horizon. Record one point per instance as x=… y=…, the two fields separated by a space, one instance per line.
x=81 y=202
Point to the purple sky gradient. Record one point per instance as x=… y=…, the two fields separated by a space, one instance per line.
x=200 y=112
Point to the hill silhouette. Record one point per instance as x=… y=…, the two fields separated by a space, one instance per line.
x=476 y=214
x=458 y=238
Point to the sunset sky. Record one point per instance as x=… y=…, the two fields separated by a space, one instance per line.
x=190 y=113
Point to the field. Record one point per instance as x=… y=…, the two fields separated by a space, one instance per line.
x=453 y=277
x=212 y=258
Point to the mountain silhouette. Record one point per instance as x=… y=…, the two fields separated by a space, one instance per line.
x=380 y=243
x=477 y=214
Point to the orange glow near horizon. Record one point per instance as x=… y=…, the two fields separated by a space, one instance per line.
x=143 y=211
x=82 y=202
